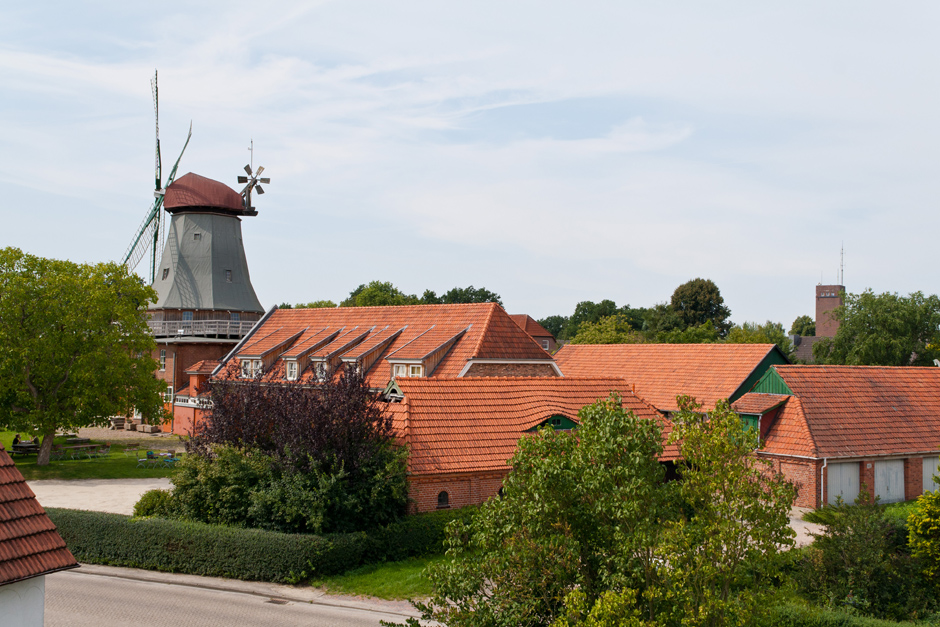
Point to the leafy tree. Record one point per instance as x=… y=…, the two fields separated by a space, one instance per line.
x=469 y=295
x=577 y=511
x=924 y=533
x=717 y=557
x=767 y=333
x=554 y=324
x=660 y=320
x=610 y=330
x=704 y=333
x=317 y=304
x=75 y=348
x=699 y=301
x=587 y=311
x=883 y=330
x=803 y=325
x=335 y=436
x=378 y=293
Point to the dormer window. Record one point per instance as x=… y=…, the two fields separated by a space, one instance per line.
x=399 y=371
x=416 y=371
x=320 y=371
x=251 y=368
x=291 y=370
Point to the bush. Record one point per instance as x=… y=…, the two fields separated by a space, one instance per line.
x=924 y=534
x=252 y=554
x=791 y=615
x=153 y=503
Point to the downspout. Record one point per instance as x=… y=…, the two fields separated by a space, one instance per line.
x=822 y=473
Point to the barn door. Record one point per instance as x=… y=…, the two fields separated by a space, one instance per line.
x=889 y=480
x=842 y=480
x=931 y=468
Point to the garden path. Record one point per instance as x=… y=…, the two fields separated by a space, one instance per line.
x=100 y=495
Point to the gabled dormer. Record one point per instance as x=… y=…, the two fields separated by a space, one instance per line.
x=325 y=360
x=368 y=352
x=422 y=354
x=295 y=358
x=258 y=357
x=558 y=422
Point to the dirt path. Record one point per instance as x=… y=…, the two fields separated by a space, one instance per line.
x=117 y=496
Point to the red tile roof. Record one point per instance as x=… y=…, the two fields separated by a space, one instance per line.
x=30 y=546
x=206 y=366
x=490 y=334
x=789 y=433
x=426 y=343
x=531 y=326
x=708 y=372
x=858 y=411
x=473 y=424
x=758 y=404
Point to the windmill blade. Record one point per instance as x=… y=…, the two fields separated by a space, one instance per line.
x=242 y=179
x=158 y=166
x=259 y=189
x=264 y=180
x=260 y=170
x=141 y=242
x=248 y=169
x=172 y=176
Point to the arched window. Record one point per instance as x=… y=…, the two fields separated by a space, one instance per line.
x=443 y=500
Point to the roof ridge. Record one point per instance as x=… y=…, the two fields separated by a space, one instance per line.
x=486 y=327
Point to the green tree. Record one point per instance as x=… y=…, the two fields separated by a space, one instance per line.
x=717 y=557
x=614 y=329
x=469 y=294
x=317 y=304
x=924 y=532
x=377 y=294
x=578 y=510
x=587 y=311
x=803 y=325
x=883 y=330
x=75 y=348
x=554 y=324
x=767 y=333
x=704 y=333
x=699 y=301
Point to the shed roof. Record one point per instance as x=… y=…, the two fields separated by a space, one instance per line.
x=30 y=546
x=473 y=424
x=707 y=372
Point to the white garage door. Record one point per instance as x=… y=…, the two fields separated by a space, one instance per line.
x=931 y=468
x=842 y=480
x=889 y=481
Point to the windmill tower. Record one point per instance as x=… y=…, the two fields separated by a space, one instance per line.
x=205 y=300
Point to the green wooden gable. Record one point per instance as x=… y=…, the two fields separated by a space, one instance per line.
x=772 y=383
x=558 y=423
x=750 y=422
x=773 y=358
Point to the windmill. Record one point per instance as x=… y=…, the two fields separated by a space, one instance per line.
x=253 y=180
x=149 y=236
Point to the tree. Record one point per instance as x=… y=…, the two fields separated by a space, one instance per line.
x=883 y=330
x=698 y=301
x=924 y=532
x=335 y=434
x=75 y=348
x=610 y=330
x=767 y=333
x=803 y=325
x=704 y=333
x=554 y=324
x=317 y=304
x=578 y=510
x=469 y=295
x=377 y=294
x=736 y=516
x=587 y=311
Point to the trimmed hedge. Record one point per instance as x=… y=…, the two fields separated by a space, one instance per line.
x=252 y=554
x=792 y=615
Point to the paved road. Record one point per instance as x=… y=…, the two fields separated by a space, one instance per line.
x=77 y=599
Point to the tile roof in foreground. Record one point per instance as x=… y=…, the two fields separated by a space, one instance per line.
x=30 y=546
x=483 y=331
x=660 y=372
x=473 y=424
x=858 y=411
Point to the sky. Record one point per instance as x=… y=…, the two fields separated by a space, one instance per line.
x=549 y=152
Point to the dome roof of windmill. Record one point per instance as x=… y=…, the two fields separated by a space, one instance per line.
x=192 y=190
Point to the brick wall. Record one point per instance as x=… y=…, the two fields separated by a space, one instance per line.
x=803 y=474
x=866 y=477
x=511 y=370
x=179 y=357
x=462 y=489
x=828 y=297
x=913 y=477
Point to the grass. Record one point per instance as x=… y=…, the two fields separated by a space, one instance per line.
x=391 y=580
x=116 y=465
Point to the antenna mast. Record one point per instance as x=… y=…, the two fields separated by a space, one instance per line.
x=842 y=265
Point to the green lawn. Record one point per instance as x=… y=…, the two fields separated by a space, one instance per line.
x=391 y=580
x=117 y=465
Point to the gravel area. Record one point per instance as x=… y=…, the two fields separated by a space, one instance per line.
x=151 y=440
x=98 y=495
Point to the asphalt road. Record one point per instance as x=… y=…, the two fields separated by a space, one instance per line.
x=77 y=599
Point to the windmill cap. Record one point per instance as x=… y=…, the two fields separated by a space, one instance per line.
x=194 y=191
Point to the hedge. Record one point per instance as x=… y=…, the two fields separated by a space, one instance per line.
x=792 y=615
x=236 y=553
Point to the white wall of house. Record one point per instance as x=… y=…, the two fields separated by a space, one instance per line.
x=931 y=468
x=23 y=603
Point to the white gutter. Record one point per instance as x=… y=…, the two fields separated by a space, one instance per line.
x=822 y=473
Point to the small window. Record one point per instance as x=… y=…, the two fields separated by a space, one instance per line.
x=197 y=237
x=416 y=371
x=246 y=368
x=168 y=395
x=556 y=422
x=162 y=359
x=228 y=276
x=443 y=500
x=292 y=371
x=166 y=273
x=320 y=371
x=187 y=316
x=256 y=367
x=545 y=344
x=236 y=316
x=399 y=371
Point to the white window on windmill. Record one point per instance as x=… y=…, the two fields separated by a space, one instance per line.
x=166 y=273
x=197 y=237
x=291 y=370
x=228 y=276
x=235 y=316
x=187 y=316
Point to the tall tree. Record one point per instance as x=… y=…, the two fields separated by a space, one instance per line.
x=699 y=301
x=470 y=294
x=587 y=311
x=767 y=333
x=74 y=345
x=554 y=324
x=883 y=330
x=614 y=329
x=804 y=325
